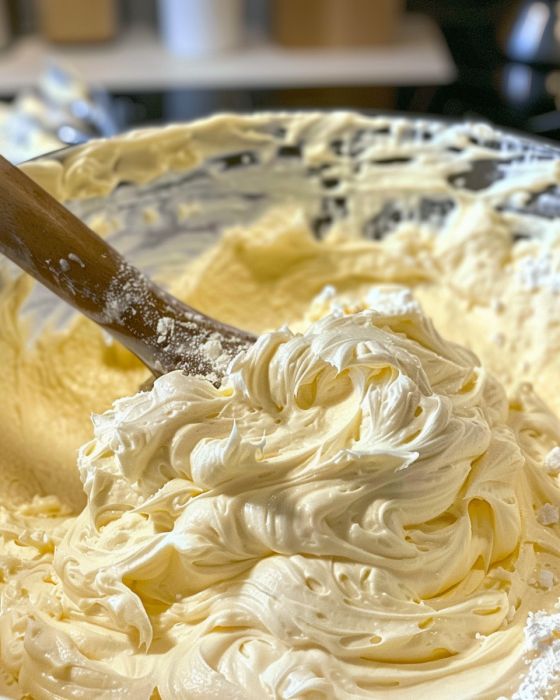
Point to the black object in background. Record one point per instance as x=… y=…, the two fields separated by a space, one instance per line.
x=507 y=58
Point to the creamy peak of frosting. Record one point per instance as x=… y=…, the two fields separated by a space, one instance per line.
x=354 y=513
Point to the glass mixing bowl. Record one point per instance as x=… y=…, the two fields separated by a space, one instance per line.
x=161 y=196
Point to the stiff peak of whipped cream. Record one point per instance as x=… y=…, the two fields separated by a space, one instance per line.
x=354 y=513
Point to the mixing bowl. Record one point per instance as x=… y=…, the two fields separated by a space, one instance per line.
x=162 y=196
x=161 y=204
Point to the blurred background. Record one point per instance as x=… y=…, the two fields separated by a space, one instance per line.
x=74 y=69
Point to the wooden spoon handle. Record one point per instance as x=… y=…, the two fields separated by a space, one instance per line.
x=46 y=240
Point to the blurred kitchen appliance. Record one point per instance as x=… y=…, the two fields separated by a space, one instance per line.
x=531 y=42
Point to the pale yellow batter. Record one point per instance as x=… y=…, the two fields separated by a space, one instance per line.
x=360 y=511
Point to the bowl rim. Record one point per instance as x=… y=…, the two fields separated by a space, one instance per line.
x=524 y=138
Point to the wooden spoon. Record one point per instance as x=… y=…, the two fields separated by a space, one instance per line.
x=47 y=241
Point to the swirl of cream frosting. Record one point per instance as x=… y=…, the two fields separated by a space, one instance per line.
x=341 y=518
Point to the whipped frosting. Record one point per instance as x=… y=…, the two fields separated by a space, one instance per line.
x=352 y=514
x=442 y=592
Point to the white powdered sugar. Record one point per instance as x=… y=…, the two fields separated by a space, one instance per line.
x=393 y=301
x=329 y=302
x=552 y=461
x=165 y=328
x=212 y=348
x=539 y=272
x=546 y=579
x=548 y=514
x=126 y=295
x=215 y=353
x=542 y=643
x=388 y=299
